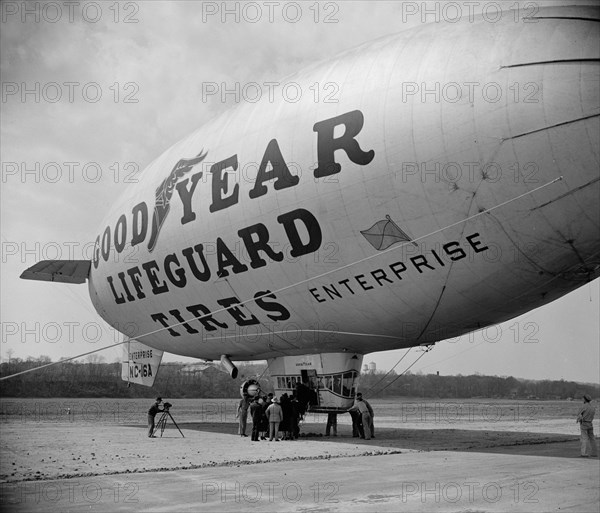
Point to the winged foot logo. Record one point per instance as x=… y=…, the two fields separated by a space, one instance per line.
x=164 y=193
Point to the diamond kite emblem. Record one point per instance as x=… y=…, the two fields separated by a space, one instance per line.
x=385 y=233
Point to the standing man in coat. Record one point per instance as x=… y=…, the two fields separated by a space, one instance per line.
x=256 y=413
x=361 y=408
x=585 y=416
x=331 y=424
x=372 y=427
x=242 y=414
x=357 y=429
x=275 y=416
x=154 y=409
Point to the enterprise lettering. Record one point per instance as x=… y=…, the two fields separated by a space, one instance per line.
x=136 y=355
x=394 y=272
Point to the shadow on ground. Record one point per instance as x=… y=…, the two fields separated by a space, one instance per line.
x=498 y=442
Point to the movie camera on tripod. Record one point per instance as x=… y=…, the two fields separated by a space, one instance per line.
x=162 y=422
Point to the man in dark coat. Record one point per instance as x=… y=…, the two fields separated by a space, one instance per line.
x=286 y=408
x=295 y=420
x=357 y=429
x=256 y=413
x=361 y=408
x=264 y=421
x=371 y=413
x=154 y=409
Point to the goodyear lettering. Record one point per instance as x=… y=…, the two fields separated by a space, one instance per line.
x=146 y=222
x=193 y=264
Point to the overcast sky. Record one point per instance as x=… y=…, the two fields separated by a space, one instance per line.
x=94 y=91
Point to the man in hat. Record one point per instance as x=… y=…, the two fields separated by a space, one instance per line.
x=256 y=412
x=371 y=413
x=154 y=409
x=275 y=415
x=363 y=411
x=585 y=416
x=242 y=414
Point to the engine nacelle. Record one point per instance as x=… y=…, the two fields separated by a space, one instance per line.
x=250 y=388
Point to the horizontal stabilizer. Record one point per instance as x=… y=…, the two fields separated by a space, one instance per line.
x=140 y=363
x=63 y=271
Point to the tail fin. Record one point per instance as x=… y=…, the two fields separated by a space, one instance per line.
x=140 y=363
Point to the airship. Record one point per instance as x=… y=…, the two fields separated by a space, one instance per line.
x=448 y=181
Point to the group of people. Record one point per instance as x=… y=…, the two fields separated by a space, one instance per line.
x=362 y=420
x=271 y=416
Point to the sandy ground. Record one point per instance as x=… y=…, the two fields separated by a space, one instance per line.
x=434 y=462
x=55 y=450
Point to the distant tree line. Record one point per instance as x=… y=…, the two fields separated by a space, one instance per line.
x=95 y=378
x=98 y=379
x=380 y=384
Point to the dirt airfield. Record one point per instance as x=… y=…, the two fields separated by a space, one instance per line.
x=63 y=450
x=73 y=463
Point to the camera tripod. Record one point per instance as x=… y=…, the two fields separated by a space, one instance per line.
x=162 y=423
